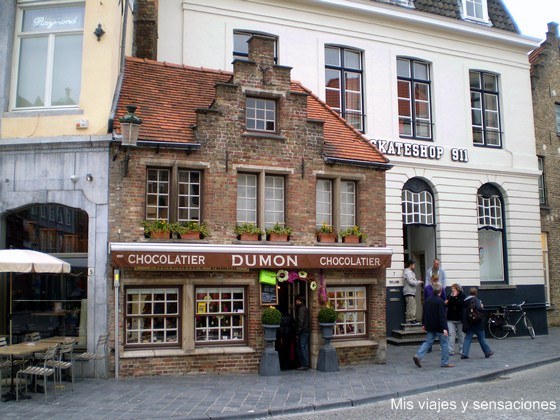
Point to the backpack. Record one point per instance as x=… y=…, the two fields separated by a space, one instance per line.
x=474 y=314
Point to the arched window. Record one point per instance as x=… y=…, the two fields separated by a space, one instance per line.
x=417 y=203
x=491 y=234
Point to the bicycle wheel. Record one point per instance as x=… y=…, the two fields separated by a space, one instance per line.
x=496 y=327
x=529 y=327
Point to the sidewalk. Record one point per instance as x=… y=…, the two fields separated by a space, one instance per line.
x=250 y=395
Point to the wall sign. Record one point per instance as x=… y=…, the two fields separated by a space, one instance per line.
x=418 y=150
x=269 y=294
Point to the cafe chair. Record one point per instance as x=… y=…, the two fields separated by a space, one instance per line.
x=5 y=365
x=101 y=351
x=45 y=371
x=63 y=362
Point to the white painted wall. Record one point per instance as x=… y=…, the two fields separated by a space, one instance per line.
x=200 y=33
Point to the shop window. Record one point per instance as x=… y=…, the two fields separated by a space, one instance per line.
x=485 y=109
x=414 y=98
x=343 y=84
x=152 y=316
x=173 y=194
x=49 y=65
x=335 y=203
x=241 y=44
x=491 y=234
x=248 y=195
x=260 y=114
x=220 y=315
x=350 y=305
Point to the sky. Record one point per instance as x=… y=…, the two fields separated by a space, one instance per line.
x=532 y=16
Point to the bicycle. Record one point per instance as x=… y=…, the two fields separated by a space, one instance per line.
x=499 y=324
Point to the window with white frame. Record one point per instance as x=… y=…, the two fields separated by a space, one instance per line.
x=350 y=304
x=485 y=109
x=49 y=50
x=557 y=112
x=152 y=316
x=260 y=114
x=414 y=98
x=220 y=314
x=475 y=9
x=344 y=85
x=327 y=212
x=249 y=194
x=491 y=234
x=241 y=44
x=417 y=207
x=173 y=194
x=542 y=187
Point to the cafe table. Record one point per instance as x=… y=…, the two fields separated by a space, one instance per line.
x=58 y=339
x=21 y=349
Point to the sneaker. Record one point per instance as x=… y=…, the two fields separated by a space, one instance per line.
x=302 y=368
x=417 y=361
x=487 y=355
x=448 y=365
x=464 y=357
x=451 y=353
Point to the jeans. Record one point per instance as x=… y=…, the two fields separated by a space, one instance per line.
x=303 y=349
x=477 y=329
x=430 y=338
x=455 y=328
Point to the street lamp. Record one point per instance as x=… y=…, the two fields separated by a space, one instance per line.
x=130 y=126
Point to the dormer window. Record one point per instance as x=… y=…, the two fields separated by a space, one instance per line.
x=475 y=10
x=261 y=115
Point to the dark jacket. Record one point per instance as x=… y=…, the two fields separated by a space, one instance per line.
x=466 y=303
x=434 y=319
x=302 y=319
x=455 y=307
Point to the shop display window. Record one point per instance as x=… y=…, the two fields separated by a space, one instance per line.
x=350 y=305
x=152 y=316
x=220 y=314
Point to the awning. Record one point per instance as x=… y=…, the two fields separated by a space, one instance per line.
x=189 y=256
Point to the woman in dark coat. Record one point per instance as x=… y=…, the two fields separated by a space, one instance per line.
x=455 y=317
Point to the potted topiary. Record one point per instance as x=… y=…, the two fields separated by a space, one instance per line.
x=327 y=360
x=353 y=235
x=248 y=231
x=157 y=228
x=278 y=233
x=270 y=363
x=190 y=230
x=325 y=233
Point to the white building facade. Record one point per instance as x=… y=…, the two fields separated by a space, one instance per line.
x=446 y=98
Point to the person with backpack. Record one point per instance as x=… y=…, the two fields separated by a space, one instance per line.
x=473 y=323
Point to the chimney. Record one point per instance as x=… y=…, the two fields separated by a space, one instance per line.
x=144 y=41
x=552 y=34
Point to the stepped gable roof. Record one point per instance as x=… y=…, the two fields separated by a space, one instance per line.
x=497 y=12
x=167 y=96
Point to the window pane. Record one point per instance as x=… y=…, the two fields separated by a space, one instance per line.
x=67 y=70
x=490 y=82
x=474 y=78
x=332 y=56
x=352 y=59
x=31 y=72
x=420 y=71
x=403 y=67
x=323 y=202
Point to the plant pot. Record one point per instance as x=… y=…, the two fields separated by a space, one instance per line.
x=270 y=332
x=278 y=237
x=160 y=235
x=270 y=362
x=190 y=236
x=249 y=237
x=351 y=239
x=328 y=359
x=326 y=237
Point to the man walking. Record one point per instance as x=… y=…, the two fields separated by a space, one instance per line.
x=302 y=332
x=437 y=270
x=434 y=323
x=409 y=291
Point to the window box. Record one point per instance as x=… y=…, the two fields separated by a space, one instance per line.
x=326 y=237
x=278 y=237
x=351 y=239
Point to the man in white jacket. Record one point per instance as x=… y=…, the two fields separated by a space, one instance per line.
x=409 y=291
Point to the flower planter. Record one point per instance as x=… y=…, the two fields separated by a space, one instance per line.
x=270 y=362
x=190 y=236
x=159 y=235
x=351 y=239
x=278 y=237
x=249 y=237
x=326 y=237
x=327 y=360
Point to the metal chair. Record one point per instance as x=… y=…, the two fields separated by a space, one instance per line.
x=64 y=362
x=45 y=371
x=101 y=351
x=5 y=364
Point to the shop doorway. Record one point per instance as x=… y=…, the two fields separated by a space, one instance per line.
x=286 y=339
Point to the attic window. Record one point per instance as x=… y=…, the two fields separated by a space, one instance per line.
x=260 y=115
x=475 y=10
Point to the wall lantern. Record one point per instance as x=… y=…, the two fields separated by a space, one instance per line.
x=98 y=32
x=130 y=126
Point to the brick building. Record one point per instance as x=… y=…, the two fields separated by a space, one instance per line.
x=225 y=148
x=545 y=83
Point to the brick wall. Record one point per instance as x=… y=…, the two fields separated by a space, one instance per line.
x=545 y=83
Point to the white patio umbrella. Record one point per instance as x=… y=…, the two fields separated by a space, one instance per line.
x=27 y=261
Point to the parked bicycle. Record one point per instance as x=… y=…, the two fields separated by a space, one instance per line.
x=499 y=323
